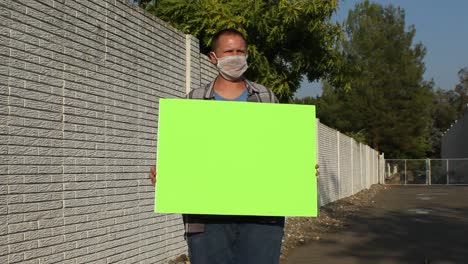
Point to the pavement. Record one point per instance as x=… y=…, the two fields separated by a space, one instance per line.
x=405 y=224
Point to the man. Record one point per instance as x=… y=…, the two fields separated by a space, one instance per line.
x=215 y=239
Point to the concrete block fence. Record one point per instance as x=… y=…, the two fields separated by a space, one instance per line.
x=79 y=88
x=346 y=166
x=455 y=139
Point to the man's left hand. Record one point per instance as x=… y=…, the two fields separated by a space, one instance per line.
x=317 y=173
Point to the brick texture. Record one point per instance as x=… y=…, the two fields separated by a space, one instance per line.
x=79 y=89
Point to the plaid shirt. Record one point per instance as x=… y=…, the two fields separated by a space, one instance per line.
x=256 y=93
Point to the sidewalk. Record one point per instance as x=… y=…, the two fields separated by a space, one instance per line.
x=406 y=224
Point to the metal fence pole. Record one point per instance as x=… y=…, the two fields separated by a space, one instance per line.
x=447 y=172
x=406 y=176
x=428 y=172
x=383 y=168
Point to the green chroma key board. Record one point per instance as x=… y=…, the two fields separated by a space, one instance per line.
x=236 y=158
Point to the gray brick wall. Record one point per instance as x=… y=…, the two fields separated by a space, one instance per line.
x=79 y=88
x=208 y=72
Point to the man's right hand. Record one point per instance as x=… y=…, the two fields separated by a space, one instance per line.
x=152 y=174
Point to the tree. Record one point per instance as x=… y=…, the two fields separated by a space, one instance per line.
x=287 y=39
x=389 y=102
x=461 y=89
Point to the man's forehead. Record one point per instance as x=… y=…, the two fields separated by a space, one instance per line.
x=230 y=35
x=230 y=39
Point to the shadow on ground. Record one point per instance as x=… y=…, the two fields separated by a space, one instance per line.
x=406 y=224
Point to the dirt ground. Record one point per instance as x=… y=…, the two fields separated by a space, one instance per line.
x=300 y=230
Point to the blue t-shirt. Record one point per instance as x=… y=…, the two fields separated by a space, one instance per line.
x=242 y=97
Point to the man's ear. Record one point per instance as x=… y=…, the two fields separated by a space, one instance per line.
x=212 y=57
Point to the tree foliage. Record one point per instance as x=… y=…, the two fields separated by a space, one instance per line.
x=288 y=39
x=389 y=102
x=461 y=90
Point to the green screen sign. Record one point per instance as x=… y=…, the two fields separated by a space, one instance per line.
x=236 y=158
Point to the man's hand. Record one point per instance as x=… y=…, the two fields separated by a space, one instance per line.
x=317 y=173
x=152 y=175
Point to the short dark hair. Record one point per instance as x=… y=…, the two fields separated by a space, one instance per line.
x=228 y=31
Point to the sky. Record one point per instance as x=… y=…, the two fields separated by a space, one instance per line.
x=441 y=26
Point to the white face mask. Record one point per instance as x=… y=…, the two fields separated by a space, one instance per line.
x=232 y=67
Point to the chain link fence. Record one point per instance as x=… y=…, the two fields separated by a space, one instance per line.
x=426 y=171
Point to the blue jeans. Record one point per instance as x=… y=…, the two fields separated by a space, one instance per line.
x=236 y=243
